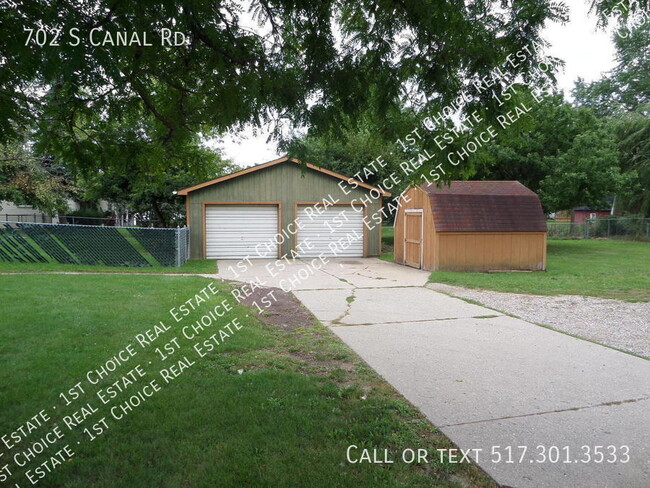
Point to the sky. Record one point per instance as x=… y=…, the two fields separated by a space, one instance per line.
x=588 y=52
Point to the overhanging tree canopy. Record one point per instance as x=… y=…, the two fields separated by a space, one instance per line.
x=303 y=60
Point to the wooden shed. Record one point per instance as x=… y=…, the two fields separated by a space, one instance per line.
x=283 y=207
x=471 y=226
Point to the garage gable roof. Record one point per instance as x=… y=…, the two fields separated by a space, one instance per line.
x=485 y=206
x=268 y=164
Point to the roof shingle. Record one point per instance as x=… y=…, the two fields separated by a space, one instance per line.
x=485 y=206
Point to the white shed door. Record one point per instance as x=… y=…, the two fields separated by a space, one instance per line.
x=240 y=231
x=333 y=231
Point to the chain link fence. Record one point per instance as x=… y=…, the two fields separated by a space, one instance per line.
x=93 y=245
x=118 y=220
x=35 y=217
x=610 y=228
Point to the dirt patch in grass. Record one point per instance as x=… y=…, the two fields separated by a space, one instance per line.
x=308 y=340
x=285 y=312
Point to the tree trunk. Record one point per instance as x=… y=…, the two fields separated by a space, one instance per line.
x=159 y=214
x=62 y=218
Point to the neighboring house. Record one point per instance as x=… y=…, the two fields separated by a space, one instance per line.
x=280 y=207
x=560 y=216
x=471 y=226
x=580 y=215
x=9 y=211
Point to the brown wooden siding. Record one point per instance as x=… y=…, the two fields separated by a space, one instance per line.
x=413 y=224
x=468 y=251
x=492 y=251
x=417 y=200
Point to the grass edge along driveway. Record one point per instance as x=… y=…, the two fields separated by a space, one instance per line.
x=193 y=266
x=598 y=268
x=270 y=406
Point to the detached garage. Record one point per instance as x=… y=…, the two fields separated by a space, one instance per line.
x=471 y=226
x=283 y=207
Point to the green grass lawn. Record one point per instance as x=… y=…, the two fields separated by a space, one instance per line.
x=193 y=266
x=270 y=406
x=387 y=246
x=600 y=268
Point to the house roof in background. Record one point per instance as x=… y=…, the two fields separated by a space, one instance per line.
x=268 y=164
x=485 y=206
x=604 y=208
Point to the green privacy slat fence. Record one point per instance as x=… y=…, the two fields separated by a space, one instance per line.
x=48 y=243
x=94 y=245
x=164 y=250
x=16 y=248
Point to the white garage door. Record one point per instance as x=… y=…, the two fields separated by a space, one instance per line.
x=240 y=231
x=333 y=231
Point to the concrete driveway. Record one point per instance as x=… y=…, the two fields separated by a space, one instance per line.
x=537 y=408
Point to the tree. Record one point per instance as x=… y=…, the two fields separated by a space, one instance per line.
x=308 y=62
x=520 y=151
x=566 y=154
x=633 y=136
x=363 y=148
x=585 y=174
x=152 y=192
x=602 y=96
x=620 y=12
x=122 y=161
x=627 y=87
x=624 y=97
x=29 y=180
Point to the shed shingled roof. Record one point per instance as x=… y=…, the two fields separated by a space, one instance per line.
x=485 y=206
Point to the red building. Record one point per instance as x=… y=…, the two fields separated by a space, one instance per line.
x=580 y=214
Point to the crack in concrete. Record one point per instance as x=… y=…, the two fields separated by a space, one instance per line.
x=350 y=299
x=317 y=289
x=386 y=287
x=361 y=288
x=359 y=273
x=480 y=317
x=572 y=409
x=362 y=269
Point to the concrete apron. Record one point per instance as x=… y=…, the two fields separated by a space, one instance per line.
x=533 y=407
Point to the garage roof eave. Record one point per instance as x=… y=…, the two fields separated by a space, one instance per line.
x=186 y=191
